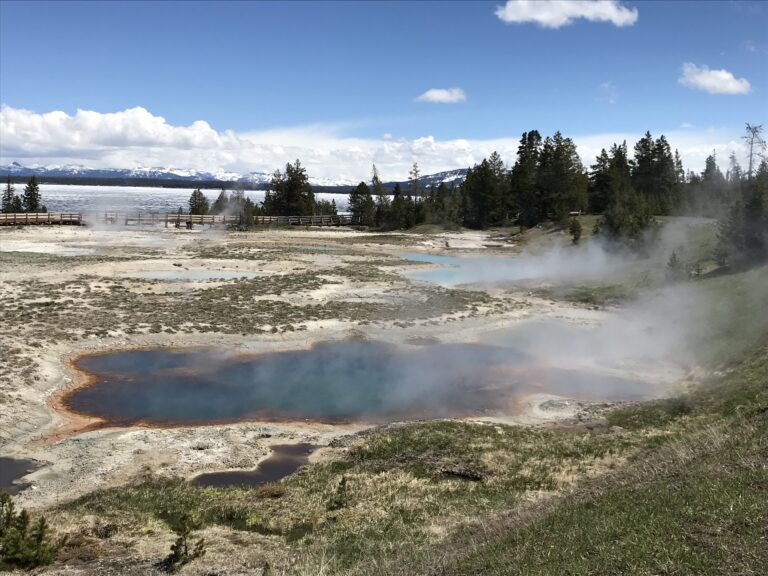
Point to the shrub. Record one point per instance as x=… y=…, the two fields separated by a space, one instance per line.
x=23 y=544
x=182 y=550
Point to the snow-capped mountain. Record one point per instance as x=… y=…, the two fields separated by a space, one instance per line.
x=449 y=177
x=255 y=179
x=75 y=170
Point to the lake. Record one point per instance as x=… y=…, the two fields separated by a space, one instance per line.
x=75 y=198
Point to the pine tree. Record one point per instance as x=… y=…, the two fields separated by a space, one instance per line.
x=642 y=170
x=362 y=206
x=398 y=213
x=7 y=201
x=31 y=198
x=665 y=195
x=574 y=228
x=626 y=215
x=382 y=202
x=414 y=181
x=221 y=203
x=524 y=191
x=198 y=203
x=23 y=544
x=292 y=194
x=562 y=183
x=599 y=183
x=675 y=269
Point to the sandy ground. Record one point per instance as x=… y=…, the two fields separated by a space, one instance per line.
x=73 y=462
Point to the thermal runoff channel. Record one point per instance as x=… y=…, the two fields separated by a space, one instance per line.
x=332 y=382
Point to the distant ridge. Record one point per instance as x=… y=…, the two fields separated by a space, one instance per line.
x=179 y=178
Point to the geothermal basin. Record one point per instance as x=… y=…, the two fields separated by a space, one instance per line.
x=334 y=382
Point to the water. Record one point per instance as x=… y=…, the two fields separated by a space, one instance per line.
x=456 y=270
x=73 y=198
x=332 y=382
x=284 y=461
x=318 y=248
x=192 y=275
x=11 y=470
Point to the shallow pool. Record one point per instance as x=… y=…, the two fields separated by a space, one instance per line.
x=455 y=270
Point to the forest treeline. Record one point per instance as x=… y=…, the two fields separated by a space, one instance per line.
x=625 y=187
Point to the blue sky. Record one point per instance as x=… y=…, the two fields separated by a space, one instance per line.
x=342 y=76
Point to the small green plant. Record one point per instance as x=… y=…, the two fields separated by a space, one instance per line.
x=339 y=498
x=574 y=229
x=675 y=268
x=183 y=550
x=22 y=544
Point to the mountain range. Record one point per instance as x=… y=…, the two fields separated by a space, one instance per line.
x=173 y=177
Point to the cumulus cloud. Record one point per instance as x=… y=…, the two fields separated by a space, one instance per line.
x=712 y=81
x=136 y=137
x=558 y=13
x=443 y=96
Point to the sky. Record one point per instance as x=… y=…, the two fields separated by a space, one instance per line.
x=248 y=86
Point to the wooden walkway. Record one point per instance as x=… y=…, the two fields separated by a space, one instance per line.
x=175 y=219
x=44 y=218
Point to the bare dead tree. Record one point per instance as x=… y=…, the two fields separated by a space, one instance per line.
x=755 y=143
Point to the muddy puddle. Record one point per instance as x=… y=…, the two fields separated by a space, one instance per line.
x=11 y=471
x=284 y=461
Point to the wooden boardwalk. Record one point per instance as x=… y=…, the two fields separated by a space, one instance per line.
x=41 y=218
x=175 y=219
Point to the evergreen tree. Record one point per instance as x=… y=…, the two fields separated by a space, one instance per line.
x=7 y=202
x=221 y=203
x=600 y=183
x=574 y=228
x=743 y=231
x=23 y=544
x=291 y=193
x=524 y=198
x=326 y=207
x=665 y=194
x=642 y=169
x=198 y=203
x=675 y=269
x=362 y=206
x=414 y=180
x=398 y=213
x=626 y=215
x=561 y=181
x=382 y=202
x=486 y=188
x=31 y=198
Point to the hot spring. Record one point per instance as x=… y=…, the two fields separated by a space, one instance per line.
x=332 y=382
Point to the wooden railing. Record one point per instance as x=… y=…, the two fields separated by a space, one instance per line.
x=151 y=218
x=24 y=218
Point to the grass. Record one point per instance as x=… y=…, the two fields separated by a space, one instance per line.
x=404 y=485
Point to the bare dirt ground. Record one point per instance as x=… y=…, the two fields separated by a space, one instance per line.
x=66 y=291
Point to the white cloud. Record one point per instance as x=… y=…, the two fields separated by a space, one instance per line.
x=686 y=125
x=712 y=81
x=557 y=13
x=135 y=137
x=443 y=96
x=607 y=92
